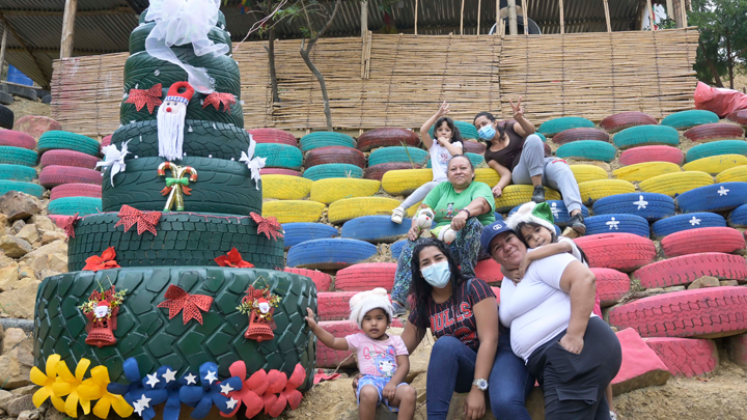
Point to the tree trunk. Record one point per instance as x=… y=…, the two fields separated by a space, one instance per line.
x=714 y=72
x=730 y=61
x=271 y=55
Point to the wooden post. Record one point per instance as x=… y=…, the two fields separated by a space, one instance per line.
x=680 y=14
x=498 y=20
x=479 y=11
x=526 y=16
x=607 y=15
x=562 y=17
x=461 y=20
x=416 y=17
x=364 y=18
x=670 y=9
x=513 y=27
x=2 y=51
x=68 y=26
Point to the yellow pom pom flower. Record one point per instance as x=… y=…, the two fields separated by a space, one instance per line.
x=95 y=388
x=46 y=382
x=67 y=384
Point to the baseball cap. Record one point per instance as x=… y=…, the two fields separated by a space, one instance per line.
x=491 y=231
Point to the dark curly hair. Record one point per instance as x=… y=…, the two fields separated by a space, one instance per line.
x=501 y=131
x=456 y=136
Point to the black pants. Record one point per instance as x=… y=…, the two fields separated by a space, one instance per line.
x=574 y=384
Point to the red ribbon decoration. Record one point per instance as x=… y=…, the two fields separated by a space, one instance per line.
x=217 y=98
x=178 y=299
x=269 y=226
x=68 y=224
x=143 y=97
x=233 y=259
x=129 y=216
x=104 y=262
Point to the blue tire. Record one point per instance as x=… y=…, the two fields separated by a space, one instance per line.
x=296 y=233
x=646 y=135
x=715 y=148
x=688 y=221
x=325 y=138
x=68 y=206
x=556 y=125
x=333 y=170
x=650 y=206
x=375 y=229
x=738 y=217
x=329 y=254
x=587 y=149
x=559 y=212
x=397 y=247
x=280 y=155
x=397 y=154
x=685 y=119
x=466 y=130
x=617 y=223
x=20 y=186
x=17 y=172
x=716 y=197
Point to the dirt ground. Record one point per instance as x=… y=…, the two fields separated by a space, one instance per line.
x=22 y=107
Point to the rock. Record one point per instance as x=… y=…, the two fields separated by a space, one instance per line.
x=12 y=337
x=35 y=126
x=15 y=366
x=14 y=247
x=8 y=275
x=28 y=233
x=674 y=289
x=49 y=236
x=46 y=265
x=3 y=220
x=56 y=415
x=56 y=247
x=28 y=415
x=641 y=366
x=20 y=302
x=736 y=349
x=728 y=283
x=686 y=357
x=5 y=398
x=20 y=404
x=29 y=389
x=706 y=281
x=16 y=205
x=44 y=223
x=17 y=226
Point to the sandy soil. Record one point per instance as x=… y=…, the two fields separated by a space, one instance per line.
x=22 y=107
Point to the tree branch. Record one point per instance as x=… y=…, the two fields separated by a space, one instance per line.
x=319 y=34
x=714 y=72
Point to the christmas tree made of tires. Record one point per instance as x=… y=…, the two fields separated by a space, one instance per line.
x=175 y=297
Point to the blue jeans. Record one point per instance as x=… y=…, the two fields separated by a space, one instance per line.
x=510 y=382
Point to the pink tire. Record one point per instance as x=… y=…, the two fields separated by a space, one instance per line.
x=17 y=139
x=64 y=157
x=75 y=190
x=52 y=176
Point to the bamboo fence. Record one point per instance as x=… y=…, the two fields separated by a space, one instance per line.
x=399 y=80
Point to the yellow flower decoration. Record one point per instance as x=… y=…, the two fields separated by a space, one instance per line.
x=46 y=382
x=67 y=384
x=95 y=388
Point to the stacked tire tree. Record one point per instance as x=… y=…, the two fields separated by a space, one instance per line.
x=222 y=213
x=17 y=163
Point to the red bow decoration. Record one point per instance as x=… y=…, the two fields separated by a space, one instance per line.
x=129 y=216
x=185 y=189
x=217 y=98
x=104 y=262
x=233 y=259
x=67 y=223
x=268 y=226
x=272 y=390
x=149 y=97
x=178 y=299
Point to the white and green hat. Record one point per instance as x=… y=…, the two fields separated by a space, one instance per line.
x=532 y=212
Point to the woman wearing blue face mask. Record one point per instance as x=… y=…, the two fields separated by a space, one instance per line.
x=519 y=155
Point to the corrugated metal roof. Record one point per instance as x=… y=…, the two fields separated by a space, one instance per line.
x=104 y=26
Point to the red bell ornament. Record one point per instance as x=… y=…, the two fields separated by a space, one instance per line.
x=101 y=311
x=260 y=306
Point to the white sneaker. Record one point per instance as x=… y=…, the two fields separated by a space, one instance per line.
x=613 y=415
x=398 y=214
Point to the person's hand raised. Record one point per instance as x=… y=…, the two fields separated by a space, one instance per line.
x=518 y=109
x=444 y=109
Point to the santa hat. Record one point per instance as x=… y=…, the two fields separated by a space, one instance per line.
x=363 y=302
x=184 y=97
x=532 y=212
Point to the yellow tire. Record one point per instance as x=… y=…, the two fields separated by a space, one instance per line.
x=405 y=181
x=292 y=211
x=488 y=176
x=285 y=187
x=643 y=171
x=584 y=173
x=676 y=183
x=514 y=195
x=594 y=190
x=716 y=164
x=332 y=189
x=343 y=210
x=738 y=174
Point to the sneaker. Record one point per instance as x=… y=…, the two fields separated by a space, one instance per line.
x=398 y=309
x=577 y=223
x=538 y=195
x=397 y=215
x=613 y=415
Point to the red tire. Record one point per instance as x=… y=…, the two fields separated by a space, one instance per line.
x=17 y=139
x=688 y=268
x=623 y=120
x=739 y=117
x=612 y=285
x=642 y=154
x=329 y=358
x=323 y=281
x=279 y=171
x=334 y=305
x=707 y=313
x=709 y=239
x=497 y=293
x=366 y=276
x=474 y=147
x=382 y=137
x=685 y=357
x=64 y=157
x=52 y=176
x=583 y=133
x=489 y=271
x=377 y=171
x=715 y=131
x=622 y=251
x=272 y=135
x=335 y=154
x=106 y=141
x=75 y=190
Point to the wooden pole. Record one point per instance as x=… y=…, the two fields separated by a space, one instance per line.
x=461 y=20
x=670 y=9
x=526 y=16
x=513 y=27
x=607 y=15
x=2 y=51
x=562 y=17
x=479 y=11
x=68 y=26
x=416 y=17
x=364 y=18
x=498 y=20
x=683 y=13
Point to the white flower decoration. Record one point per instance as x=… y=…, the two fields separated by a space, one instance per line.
x=114 y=158
x=253 y=163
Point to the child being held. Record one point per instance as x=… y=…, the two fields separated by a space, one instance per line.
x=382 y=359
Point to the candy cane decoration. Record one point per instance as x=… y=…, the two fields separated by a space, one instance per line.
x=177 y=186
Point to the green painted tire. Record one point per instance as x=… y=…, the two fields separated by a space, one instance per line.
x=222 y=186
x=12 y=172
x=140 y=33
x=587 y=149
x=685 y=119
x=398 y=154
x=556 y=125
x=128 y=113
x=220 y=23
x=18 y=156
x=24 y=187
x=646 y=135
x=280 y=155
x=68 y=206
x=333 y=170
x=467 y=130
x=66 y=140
x=146 y=333
x=207 y=139
x=715 y=148
x=324 y=139
x=183 y=239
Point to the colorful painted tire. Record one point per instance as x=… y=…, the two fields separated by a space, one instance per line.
x=64 y=157
x=329 y=254
x=584 y=173
x=183 y=239
x=738 y=216
x=375 y=229
x=717 y=197
x=594 y=190
x=378 y=172
x=385 y=137
x=335 y=154
x=324 y=139
x=716 y=164
x=474 y=147
x=617 y=223
x=685 y=119
x=623 y=120
x=739 y=117
x=75 y=190
x=622 y=251
x=559 y=212
x=582 y=133
x=17 y=156
x=686 y=357
x=17 y=139
x=106 y=141
x=686 y=269
x=273 y=135
x=146 y=333
x=222 y=186
x=649 y=206
x=558 y=125
x=280 y=155
x=405 y=181
x=279 y=171
x=396 y=248
x=715 y=148
x=710 y=239
x=644 y=154
x=466 y=130
x=294 y=211
x=476 y=160
x=285 y=187
x=515 y=195
x=6 y=117
x=360 y=277
x=350 y=208
x=52 y=176
x=333 y=306
x=140 y=33
x=715 y=131
x=646 y=135
x=323 y=281
x=643 y=171
x=65 y=140
x=68 y=206
x=7 y=186
x=333 y=170
x=234 y=115
x=489 y=271
x=676 y=183
x=296 y=233
x=334 y=189
x=738 y=174
x=689 y=221
x=17 y=172
x=612 y=285
x=587 y=149
x=398 y=154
